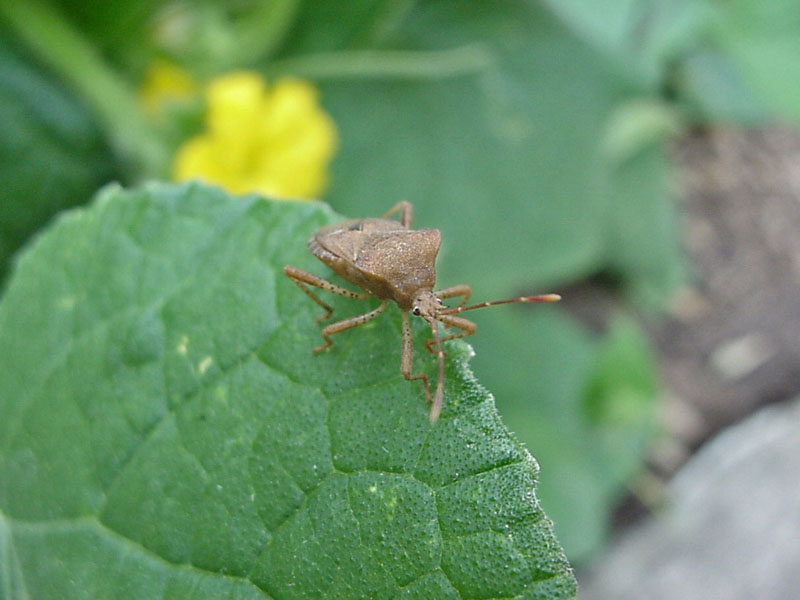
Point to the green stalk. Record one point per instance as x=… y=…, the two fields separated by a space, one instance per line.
x=262 y=30
x=390 y=16
x=387 y=64
x=78 y=63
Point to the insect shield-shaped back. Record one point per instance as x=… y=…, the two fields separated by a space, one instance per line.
x=381 y=256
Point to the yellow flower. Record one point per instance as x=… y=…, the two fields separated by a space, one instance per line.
x=165 y=82
x=278 y=142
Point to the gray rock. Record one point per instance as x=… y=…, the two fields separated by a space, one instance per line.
x=731 y=530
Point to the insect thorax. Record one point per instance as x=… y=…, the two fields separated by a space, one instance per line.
x=394 y=265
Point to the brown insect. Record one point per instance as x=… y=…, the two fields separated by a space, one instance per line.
x=392 y=261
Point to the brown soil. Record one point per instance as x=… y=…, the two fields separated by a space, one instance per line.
x=731 y=342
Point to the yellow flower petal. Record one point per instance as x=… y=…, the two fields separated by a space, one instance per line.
x=165 y=82
x=277 y=141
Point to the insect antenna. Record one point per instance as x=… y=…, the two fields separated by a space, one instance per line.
x=439 y=395
x=541 y=298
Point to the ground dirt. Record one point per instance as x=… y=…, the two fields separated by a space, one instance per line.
x=730 y=340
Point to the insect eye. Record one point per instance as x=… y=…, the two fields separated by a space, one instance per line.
x=416 y=310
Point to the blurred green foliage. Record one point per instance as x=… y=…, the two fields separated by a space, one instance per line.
x=52 y=154
x=531 y=133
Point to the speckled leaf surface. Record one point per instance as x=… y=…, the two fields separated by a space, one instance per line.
x=167 y=432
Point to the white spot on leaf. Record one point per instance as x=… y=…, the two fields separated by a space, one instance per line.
x=202 y=367
x=66 y=302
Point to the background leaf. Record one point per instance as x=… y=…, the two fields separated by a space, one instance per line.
x=761 y=39
x=52 y=156
x=643 y=36
x=167 y=431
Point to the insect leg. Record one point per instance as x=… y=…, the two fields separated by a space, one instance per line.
x=467 y=328
x=346 y=324
x=301 y=278
x=407 y=361
x=457 y=290
x=439 y=395
x=407 y=216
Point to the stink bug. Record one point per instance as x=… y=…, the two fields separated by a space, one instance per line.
x=391 y=261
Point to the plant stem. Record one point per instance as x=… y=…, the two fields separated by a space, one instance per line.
x=262 y=30
x=389 y=17
x=78 y=63
x=387 y=64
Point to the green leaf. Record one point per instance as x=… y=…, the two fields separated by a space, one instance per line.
x=623 y=383
x=52 y=155
x=761 y=38
x=324 y=26
x=167 y=431
x=118 y=28
x=637 y=125
x=642 y=245
x=586 y=408
x=715 y=89
x=643 y=36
